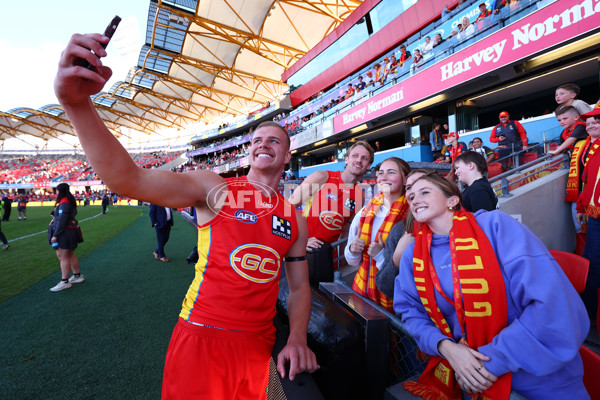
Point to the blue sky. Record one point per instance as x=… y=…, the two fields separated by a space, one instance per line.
x=33 y=34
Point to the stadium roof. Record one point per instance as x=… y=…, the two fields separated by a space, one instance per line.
x=202 y=61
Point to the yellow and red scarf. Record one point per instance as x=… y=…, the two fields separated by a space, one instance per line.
x=479 y=300
x=573 y=188
x=364 y=280
x=589 y=200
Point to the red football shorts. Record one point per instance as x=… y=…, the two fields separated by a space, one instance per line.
x=210 y=363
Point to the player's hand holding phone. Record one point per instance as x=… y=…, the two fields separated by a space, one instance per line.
x=80 y=70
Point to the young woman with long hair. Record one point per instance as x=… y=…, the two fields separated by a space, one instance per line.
x=483 y=297
x=371 y=226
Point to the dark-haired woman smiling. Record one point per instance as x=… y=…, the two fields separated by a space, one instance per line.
x=485 y=299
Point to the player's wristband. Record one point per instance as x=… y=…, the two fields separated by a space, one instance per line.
x=292 y=259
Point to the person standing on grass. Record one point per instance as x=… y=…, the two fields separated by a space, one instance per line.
x=3 y=238
x=162 y=221
x=22 y=207
x=64 y=238
x=222 y=343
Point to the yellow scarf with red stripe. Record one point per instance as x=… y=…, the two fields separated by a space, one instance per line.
x=574 y=170
x=364 y=280
x=479 y=300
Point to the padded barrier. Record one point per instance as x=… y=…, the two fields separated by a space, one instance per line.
x=337 y=339
x=320 y=265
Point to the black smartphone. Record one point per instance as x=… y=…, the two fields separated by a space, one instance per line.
x=108 y=32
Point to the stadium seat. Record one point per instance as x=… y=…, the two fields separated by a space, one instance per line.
x=494 y=169
x=528 y=157
x=575 y=267
x=591 y=371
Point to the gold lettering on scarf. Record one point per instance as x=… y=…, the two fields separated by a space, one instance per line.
x=425 y=302
x=421 y=288
x=472 y=244
x=418 y=263
x=487 y=309
x=480 y=282
x=478 y=264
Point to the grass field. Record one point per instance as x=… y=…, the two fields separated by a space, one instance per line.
x=105 y=338
x=29 y=257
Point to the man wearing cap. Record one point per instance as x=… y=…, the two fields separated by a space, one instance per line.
x=510 y=135
x=483 y=13
x=454 y=147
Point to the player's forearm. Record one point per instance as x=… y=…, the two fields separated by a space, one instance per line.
x=107 y=156
x=299 y=305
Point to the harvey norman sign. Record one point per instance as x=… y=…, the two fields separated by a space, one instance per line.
x=556 y=23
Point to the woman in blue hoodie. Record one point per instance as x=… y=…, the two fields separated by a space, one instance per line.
x=485 y=299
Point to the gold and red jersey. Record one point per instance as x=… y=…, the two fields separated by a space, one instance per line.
x=240 y=258
x=330 y=208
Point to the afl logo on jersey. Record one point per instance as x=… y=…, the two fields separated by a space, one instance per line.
x=255 y=262
x=331 y=220
x=246 y=217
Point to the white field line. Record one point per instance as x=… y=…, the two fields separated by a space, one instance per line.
x=39 y=233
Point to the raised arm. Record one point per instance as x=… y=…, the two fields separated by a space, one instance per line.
x=311 y=185
x=296 y=351
x=73 y=86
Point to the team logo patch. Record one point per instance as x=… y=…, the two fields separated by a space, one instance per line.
x=350 y=204
x=255 y=262
x=246 y=217
x=331 y=220
x=282 y=227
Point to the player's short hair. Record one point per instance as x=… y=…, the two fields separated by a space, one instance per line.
x=273 y=124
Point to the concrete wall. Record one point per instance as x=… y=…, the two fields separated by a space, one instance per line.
x=540 y=205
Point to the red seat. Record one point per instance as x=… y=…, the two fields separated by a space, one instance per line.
x=494 y=169
x=575 y=267
x=591 y=371
x=528 y=157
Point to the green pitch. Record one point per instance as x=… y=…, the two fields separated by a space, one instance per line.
x=105 y=338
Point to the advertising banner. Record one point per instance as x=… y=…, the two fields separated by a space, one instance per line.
x=556 y=23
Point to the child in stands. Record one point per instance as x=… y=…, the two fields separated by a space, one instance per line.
x=566 y=95
x=454 y=147
x=573 y=128
x=470 y=168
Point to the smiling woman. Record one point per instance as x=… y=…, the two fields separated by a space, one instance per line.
x=372 y=225
x=484 y=314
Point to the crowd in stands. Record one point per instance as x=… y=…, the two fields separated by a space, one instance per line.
x=408 y=59
x=154 y=159
x=43 y=169
x=46 y=168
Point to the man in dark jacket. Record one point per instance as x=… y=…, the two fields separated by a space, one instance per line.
x=162 y=221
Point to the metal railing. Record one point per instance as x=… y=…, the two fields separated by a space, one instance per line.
x=515 y=158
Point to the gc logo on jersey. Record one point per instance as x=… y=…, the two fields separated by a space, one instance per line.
x=331 y=220
x=255 y=262
x=246 y=217
x=282 y=227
